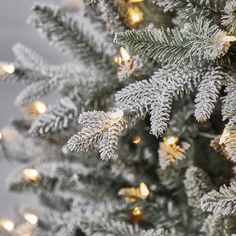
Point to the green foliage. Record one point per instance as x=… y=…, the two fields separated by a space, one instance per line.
x=57 y=117
x=222 y=202
x=229 y=17
x=196 y=183
x=99 y=127
x=201 y=40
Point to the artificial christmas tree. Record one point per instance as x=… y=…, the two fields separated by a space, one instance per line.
x=157 y=106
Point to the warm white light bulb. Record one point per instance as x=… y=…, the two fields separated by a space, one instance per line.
x=144 y=190
x=7 y=225
x=135 y=15
x=172 y=140
x=124 y=54
x=31 y=218
x=40 y=107
x=0 y=135
x=8 y=68
x=31 y=174
x=136 y=139
x=133 y=1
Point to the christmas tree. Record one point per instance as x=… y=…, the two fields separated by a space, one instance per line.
x=143 y=139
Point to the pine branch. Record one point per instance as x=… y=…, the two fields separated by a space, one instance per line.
x=229 y=101
x=191 y=9
x=208 y=93
x=197 y=183
x=99 y=127
x=229 y=17
x=197 y=41
x=110 y=16
x=222 y=202
x=36 y=90
x=57 y=117
x=117 y=228
x=28 y=58
x=156 y=94
x=218 y=225
x=160 y=113
x=71 y=36
x=25 y=76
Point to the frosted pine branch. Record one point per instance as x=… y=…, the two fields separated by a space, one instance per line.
x=36 y=90
x=229 y=17
x=28 y=58
x=208 y=93
x=201 y=40
x=57 y=117
x=70 y=35
x=192 y=9
x=160 y=113
x=197 y=183
x=99 y=127
x=222 y=202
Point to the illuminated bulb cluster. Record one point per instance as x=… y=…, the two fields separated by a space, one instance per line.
x=7 y=225
x=135 y=16
x=36 y=108
x=31 y=175
x=31 y=218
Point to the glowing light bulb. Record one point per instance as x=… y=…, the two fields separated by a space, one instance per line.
x=136 y=139
x=118 y=60
x=40 y=107
x=7 y=225
x=31 y=175
x=8 y=68
x=135 y=16
x=0 y=135
x=144 y=190
x=36 y=108
x=124 y=54
x=31 y=218
x=134 y=1
x=172 y=140
x=117 y=115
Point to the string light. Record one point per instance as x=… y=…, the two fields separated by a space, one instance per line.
x=134 y=1
x=7 y=68
x=36 y=108
x=7 y=225
x=172 y=140
x=31 y=175
x=31 y=218
x=118 y=60
x=132 y=194
x=125 y=55
x=137 y=213
x=136 y=139
x=135 y=16
x=144 y=190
